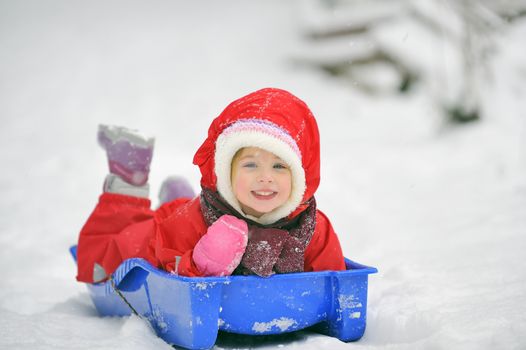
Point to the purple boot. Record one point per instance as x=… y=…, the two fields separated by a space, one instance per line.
x=175 y=187
x=129 y=153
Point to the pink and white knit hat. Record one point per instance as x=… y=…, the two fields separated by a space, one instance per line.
x=270 y=137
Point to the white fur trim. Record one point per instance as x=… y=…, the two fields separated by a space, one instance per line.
x=226 y=148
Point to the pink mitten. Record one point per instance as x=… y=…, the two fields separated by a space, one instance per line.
x=220 y=250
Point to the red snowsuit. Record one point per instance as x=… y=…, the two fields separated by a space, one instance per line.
x=123 y=227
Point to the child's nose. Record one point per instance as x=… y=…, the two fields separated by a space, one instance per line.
x=265 y=176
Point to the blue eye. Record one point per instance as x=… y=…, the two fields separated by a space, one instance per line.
x=249 y=165
x=280 y=166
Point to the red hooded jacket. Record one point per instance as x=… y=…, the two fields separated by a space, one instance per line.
x=123 y=227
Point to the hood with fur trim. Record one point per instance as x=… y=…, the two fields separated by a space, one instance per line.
x=272 y=119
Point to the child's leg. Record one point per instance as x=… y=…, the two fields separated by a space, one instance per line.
x=121 y=225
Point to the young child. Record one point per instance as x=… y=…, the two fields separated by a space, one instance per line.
x=256 y=213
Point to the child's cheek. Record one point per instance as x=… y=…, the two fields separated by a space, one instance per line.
x=239 y=186
x=243 y=186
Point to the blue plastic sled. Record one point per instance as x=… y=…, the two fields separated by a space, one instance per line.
x=189 y=311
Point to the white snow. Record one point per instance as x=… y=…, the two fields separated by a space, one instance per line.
x=439 y=210
x=355 y=314
x=283 y=323
x=348 y=302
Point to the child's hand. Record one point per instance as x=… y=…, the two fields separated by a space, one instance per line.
x=220 y=250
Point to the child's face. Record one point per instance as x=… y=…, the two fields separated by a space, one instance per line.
x=261 y=181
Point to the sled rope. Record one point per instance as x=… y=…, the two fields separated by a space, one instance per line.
x=122 y=297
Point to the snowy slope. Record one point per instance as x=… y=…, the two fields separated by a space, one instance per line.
x=440 y=211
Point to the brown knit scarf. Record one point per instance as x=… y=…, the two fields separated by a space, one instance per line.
x=274 y=248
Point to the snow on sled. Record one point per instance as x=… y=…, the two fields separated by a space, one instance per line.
x=189 y=311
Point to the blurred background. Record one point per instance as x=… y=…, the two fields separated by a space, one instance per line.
x=421 y=108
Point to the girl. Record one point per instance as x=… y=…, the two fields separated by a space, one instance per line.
x=256 y=213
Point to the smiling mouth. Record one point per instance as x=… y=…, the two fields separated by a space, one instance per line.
x=264 y=195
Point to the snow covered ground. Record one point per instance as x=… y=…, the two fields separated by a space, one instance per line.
x=440 y=211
